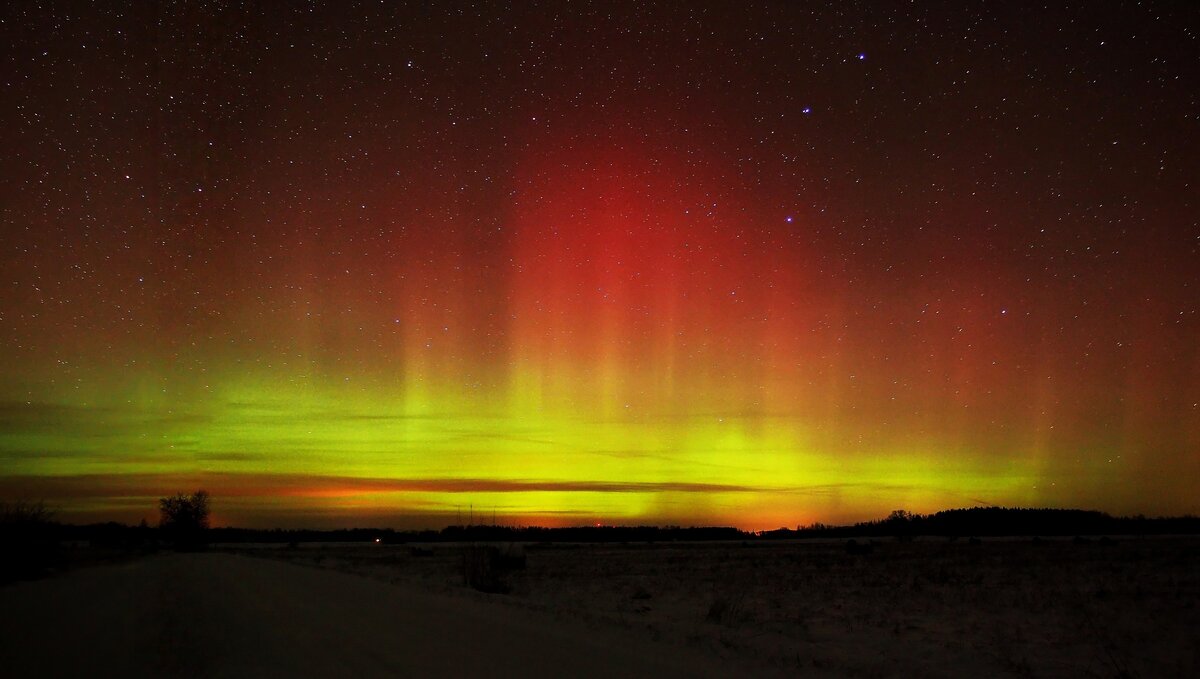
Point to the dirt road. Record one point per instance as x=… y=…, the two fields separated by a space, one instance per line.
x=221 y=615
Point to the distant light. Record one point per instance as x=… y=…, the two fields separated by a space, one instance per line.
x=806 y=110
x=788 y=219
x=862 y=56
x=378 y=540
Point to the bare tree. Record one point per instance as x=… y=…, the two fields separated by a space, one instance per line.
x=30 y=537
x=184 y=518
x=21 y=514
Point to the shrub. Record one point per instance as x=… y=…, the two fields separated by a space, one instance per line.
x=727 y=610
x=855 y=547
x=481 y=569
x=484 y=566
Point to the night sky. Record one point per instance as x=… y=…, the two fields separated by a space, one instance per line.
x=742 y=264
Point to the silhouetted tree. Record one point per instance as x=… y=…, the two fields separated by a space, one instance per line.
x=25 y=514
x=184 y=518
x=900 y=524
x=29 y=535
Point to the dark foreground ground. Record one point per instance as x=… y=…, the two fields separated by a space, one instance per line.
x=224 y=615
x=1124 y=607
x=1112 y=607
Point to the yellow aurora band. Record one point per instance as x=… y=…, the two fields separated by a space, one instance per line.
x=275 y=454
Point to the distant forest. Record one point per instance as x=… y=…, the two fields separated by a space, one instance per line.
x=973 y=522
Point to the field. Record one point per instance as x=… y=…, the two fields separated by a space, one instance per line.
x=1108 y=607
x=1104 y=607
x=213 y=614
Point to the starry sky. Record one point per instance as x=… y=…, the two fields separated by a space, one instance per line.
x=752 y=264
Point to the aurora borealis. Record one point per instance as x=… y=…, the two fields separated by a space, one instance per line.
x=572 y=262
